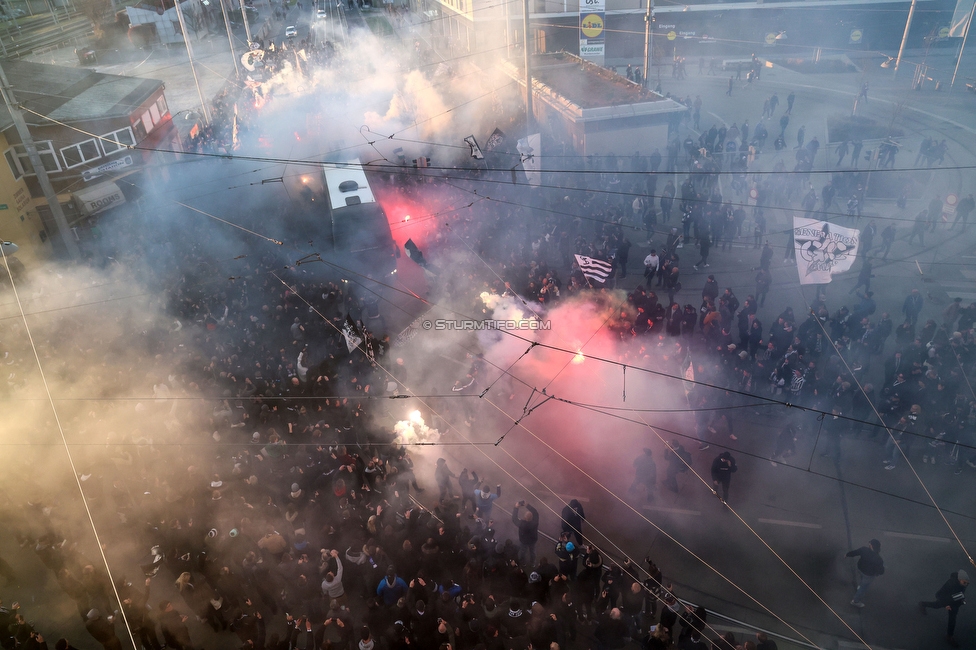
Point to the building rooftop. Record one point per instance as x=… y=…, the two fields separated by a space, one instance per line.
x=70 y=94
x=586 y=84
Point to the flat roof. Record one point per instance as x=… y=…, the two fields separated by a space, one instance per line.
x=69 y=94
x=586 y=84
x=348 y=172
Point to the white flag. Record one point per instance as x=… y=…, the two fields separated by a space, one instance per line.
x=476 y=152
x=823 y=249
x=959 y=24
x=530 y=150
x=593 y=268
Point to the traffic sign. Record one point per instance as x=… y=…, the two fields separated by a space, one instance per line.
x=856 y=35
x=672 y=35
x=770 y=38
x=951 y=201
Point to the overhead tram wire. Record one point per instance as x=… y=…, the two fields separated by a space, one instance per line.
x=645 y=519
x=743 y=452
x=613 y=494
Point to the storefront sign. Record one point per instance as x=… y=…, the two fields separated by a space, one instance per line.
x=592 y=25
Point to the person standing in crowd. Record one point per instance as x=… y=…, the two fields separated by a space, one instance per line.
x=527 y=523
x=764 y=279
x=704 y=246
x=887 y=239
x=484 y=499
x=913 y=306
x=950 y=596
x=723 y=467
x=572 y=518
x=645 y=473
x=869 y=566
x=678 y=460
x=963 y=210
x=651 y=265
x=443 y=476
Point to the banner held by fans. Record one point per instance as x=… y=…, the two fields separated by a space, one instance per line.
x=822 y=249
x=351 y=333
x=495 y=140
x=594 y=269
x=476 y=152
x=530 y=150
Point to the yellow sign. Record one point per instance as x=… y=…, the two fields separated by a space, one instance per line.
x=856 y=35
x=944 y=32
x=770 y=38
x=672 y=35
x=592 y=25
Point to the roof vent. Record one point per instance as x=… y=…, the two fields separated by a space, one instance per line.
x=353 y=200
x=348 y=186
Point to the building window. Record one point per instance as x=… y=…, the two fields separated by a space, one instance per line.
x=79 y=154
x=117 y=141
x=161 y=105
x=12 y=162
x=20 y=164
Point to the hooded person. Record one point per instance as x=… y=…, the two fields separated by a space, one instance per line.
x=572 y=520
x=951 y=596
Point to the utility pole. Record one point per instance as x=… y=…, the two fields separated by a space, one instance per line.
x=962 y=48
x=508 y=29
x=528 y=70
x=904 y=38
x=35 y=159
x=230 y=39
x=648 y=42
x=189 y=52
x=247 y=25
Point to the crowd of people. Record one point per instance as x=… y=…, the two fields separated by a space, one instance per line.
x=285 y=518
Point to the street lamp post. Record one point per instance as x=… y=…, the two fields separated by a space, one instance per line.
x=528 y=69
x=904 y=38
x=648 y=41
x=193 y=70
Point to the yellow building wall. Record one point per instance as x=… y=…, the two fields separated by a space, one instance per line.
x=19 y=221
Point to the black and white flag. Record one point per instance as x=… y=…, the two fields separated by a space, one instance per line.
x=476 y=152
x=495 y=140
x=594 y=269
x=350 y=332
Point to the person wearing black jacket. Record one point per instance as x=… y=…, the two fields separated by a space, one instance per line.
x=869 y=566
x=528 y=533
x=722 y=469
x=572 y=520
x=952 y=596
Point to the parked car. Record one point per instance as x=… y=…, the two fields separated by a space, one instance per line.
x=291 y=31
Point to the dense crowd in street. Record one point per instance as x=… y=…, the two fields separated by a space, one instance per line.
x=286 y=519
